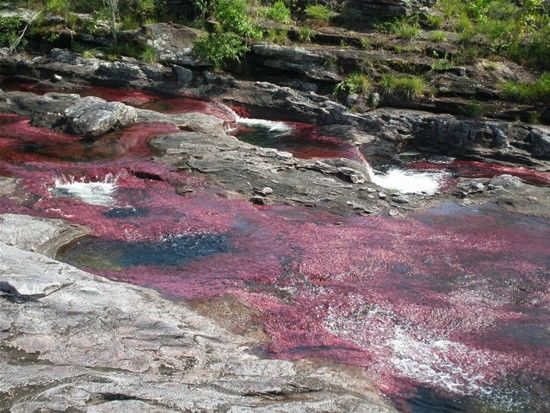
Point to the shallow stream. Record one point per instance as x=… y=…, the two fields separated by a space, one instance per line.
x=445 y=310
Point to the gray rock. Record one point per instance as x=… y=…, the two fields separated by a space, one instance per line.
x=507 y=182
x=92 y=116
x=540 y=142
x=183 y=75
x=120 y=71
x=312 y=64
x=36 y=234
x=173 y=43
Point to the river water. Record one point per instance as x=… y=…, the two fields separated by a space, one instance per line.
x=445 y=310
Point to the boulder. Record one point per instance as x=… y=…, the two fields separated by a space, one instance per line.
x=539 y=139
x=92 y=116
x=173 y=43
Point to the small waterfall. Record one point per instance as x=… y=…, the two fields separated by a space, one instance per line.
x=409 y=182
x=276 y=127
x=100 y=193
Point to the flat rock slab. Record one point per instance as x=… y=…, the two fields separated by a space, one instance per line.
x=36 y=234
x=94 y=345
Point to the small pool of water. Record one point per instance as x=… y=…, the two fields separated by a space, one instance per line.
x=102 y=254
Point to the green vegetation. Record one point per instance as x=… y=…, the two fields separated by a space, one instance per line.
x=219 y=48
x=410 y=87
x=407 y=28
x=305 y=34
x=357 y=83
x=277 y=36
x=438 y=36
x=232 y=31
x=519 y=29
x=278 y=12
x=473 y=110
x=365 y=43
x=435 y=21
x=10 y=27
x=441 y=65
x=319 y=13
x=530 y=92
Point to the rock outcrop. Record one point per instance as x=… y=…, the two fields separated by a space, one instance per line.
x=388 y=8
x=74 y=341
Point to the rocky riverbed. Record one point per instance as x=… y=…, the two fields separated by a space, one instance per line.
x=244 y=246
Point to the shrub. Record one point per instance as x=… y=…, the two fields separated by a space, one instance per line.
x=441 y=65
x=233 y=29
x=435 y=20
x=319 y=13
x=10 y=28
x=305 y=34
x=473 y=110
x=530 y=92
x=278 y=12
x=232 y=16
x=278 y=36
x=357 y=83
x=220 y=48
x=149 y=55
x=365 y=43
x=438 y=36
x=406 y=28
x=410 y=87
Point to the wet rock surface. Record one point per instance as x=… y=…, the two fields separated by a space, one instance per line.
x=87 y=344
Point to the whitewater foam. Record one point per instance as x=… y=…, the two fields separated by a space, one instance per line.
x=275 y=127
x=100 y=193
x=409 y=182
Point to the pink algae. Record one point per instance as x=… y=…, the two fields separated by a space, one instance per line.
x=454 y=298
x=475 y=169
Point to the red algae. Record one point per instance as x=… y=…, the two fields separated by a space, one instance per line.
x=186 y=105
x=454 y=299
x=131 y=97
x=475 y=169
x=303 y=141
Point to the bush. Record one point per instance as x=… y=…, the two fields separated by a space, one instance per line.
x=278 y=36
x=410 y=87
x=406 y=28
x=474 y=110
x=518 y=29
x=233 y=29
x=319 y=13
x=357 y=83
x=220 y=48
x=530 y=92
x=10 y=28
x=149 y=55
x=278 y=12
x=305 y=34
x=438 y=36
x=232 y=16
